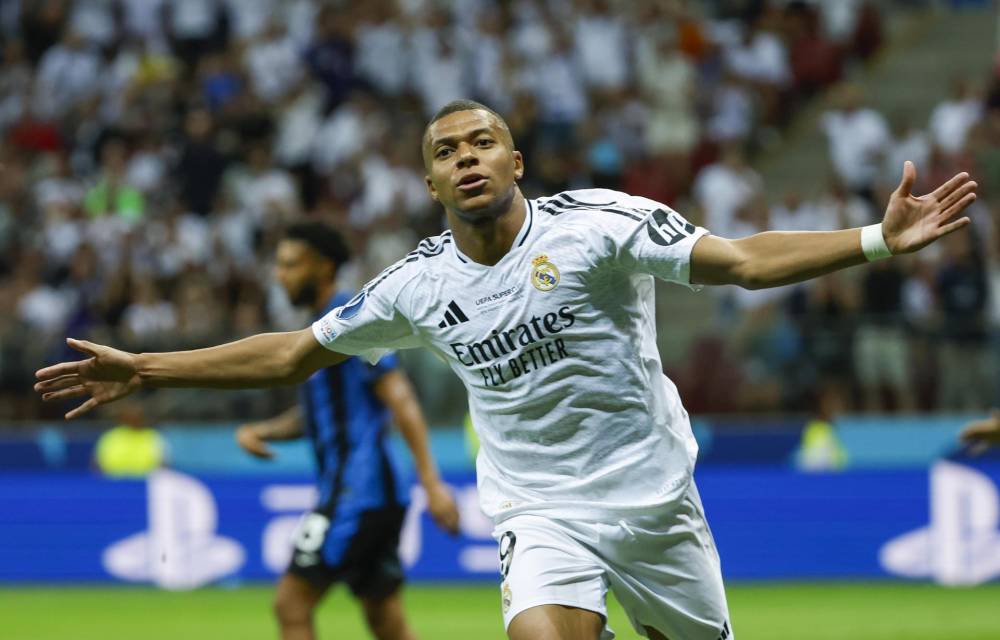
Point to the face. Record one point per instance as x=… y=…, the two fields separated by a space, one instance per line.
x=301 y=270
x=471 y=165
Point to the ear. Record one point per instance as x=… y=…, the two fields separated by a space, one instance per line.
x=430 y=189
x=518 y=165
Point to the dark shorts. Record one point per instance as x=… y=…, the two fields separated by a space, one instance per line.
x=358 y=550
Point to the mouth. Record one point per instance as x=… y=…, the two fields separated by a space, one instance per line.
x=471 y=182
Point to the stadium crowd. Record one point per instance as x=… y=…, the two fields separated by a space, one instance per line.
x=152 y=151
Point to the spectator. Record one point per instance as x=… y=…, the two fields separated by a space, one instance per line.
x=267 y=192
x=150 y=317
x=273 y=63
x=67 y=75
x=330 y=58
x=909 y=142
x=667 y=79
x=952 y=119
x=966 y=364
x=437 y=64
x=200 y=164
x=132 y=449
x=601 y=45
x=881 y=352
x=723 y=188
x=858 y=138
x=112 y=195
x=380 y=39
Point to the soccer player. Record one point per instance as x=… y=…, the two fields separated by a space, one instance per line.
x=982 y=434
x=353 y=534
x=544 y=308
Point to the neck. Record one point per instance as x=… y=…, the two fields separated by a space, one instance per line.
x=487 y=241
x=324 y=294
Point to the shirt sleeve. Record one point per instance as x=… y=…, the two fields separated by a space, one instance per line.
x=648 y=237
x=371 y=324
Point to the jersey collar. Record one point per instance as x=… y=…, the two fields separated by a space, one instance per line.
x=520 y=239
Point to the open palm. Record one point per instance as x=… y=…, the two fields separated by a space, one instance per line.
x=107 y=375
x=912 y=222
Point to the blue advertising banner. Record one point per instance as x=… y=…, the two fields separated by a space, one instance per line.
x=180 y=531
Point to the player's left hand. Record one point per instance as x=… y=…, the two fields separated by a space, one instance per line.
x=912 y=222
x=982 y=434
x=107 y=375
x=442 y=507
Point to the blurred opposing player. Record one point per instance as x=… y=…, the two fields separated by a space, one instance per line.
x=544 y=308
x=982 y=434
x=352 y=535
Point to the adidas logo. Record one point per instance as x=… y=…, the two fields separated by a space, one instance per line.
x=725 y=631
x=454 y=315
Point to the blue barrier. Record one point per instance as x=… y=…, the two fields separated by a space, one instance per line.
x=869 y=443
x=181 y=531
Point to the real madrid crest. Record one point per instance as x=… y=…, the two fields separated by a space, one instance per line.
x=544 y=274
x=506 y=596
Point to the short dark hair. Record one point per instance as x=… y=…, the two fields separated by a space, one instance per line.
x=466 y=105
x=463 y=105
x=321 y=238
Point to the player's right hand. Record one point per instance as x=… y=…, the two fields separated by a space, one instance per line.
x=982 y=434
x=252 y=443
x=107 y=375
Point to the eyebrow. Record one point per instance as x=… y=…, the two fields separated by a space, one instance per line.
x=452 y=139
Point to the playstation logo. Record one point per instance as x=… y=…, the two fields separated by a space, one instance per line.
x=961 y=545
x=181 y=549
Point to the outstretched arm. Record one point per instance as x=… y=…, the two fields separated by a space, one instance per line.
x=264 y=360
x=395 y=392
x=776 y=258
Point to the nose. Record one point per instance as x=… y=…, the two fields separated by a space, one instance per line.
x=466 y=155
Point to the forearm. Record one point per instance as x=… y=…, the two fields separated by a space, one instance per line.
x=414 y=430
x=264 y=360
x=286 y=426
x=397 y=394
x=774 y=258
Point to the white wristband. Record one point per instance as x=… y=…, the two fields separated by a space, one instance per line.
x=873 y=243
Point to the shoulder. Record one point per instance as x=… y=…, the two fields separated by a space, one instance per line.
x=427 y=256
x=601 y=212
x=595 y=207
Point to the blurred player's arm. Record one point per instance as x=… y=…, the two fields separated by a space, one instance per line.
x=107 y=374
x=253 y=437
x=396 y=392
x=982 y=434
x=776 y=258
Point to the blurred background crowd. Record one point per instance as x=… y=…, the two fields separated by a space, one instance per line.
x=152 y=150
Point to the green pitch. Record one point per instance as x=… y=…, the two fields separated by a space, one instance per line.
x=760 y=612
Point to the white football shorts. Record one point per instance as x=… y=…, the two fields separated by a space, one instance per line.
x=663 y=568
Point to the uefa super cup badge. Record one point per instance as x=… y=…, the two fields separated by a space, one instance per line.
x=544 y=274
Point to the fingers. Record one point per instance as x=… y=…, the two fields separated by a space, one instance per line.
x=58 y=370
x=83 y=346
x=958 y=207
x=447 y=519
x=909 y=177
x=963 y=190
x=261 y=451
x=952 y=227
x=65 y=394
x=979 y=448
x=54 y=384
x=957 y=180
x=253 y=443
x=82 y=409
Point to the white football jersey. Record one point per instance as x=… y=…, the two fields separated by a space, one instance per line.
x=556 y=345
